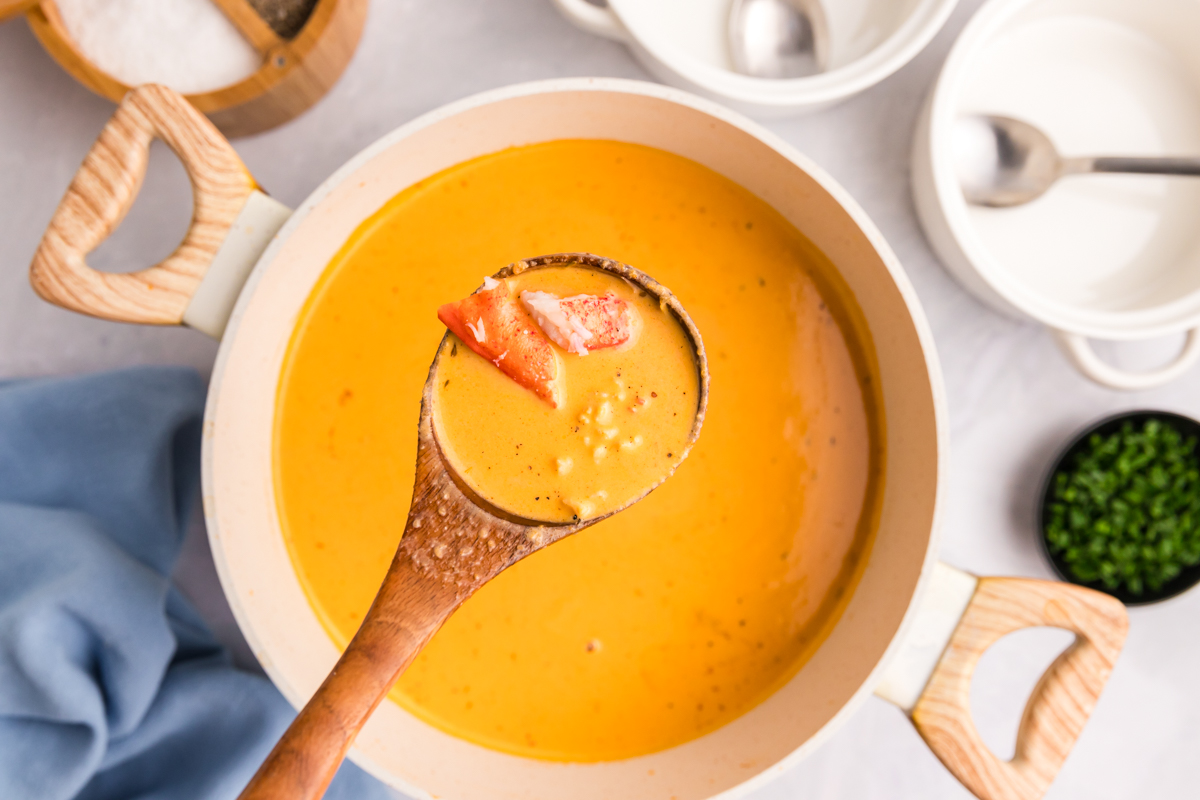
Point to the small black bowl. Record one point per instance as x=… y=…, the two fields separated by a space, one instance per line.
x=1186 y=579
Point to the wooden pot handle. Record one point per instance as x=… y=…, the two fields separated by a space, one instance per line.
x=1061 y=702
x=103 y=191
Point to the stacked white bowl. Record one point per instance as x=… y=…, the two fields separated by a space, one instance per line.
x=683 y=43
x=1098 y=256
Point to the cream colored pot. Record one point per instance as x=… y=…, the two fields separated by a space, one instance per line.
x=913 y=630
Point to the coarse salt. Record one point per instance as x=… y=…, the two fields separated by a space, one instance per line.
x=188 y=45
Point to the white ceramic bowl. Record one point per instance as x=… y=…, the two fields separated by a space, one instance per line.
x=682 y=42
x=1107 y=257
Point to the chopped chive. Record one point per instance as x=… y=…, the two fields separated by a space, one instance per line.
x=1126 y=511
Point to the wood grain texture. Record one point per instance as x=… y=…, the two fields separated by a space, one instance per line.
x=103 y=191
x=294 y=74
x=253 y=28
x=453 y=543
x=1061 y=702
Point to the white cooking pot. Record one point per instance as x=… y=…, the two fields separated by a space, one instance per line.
x=913 y=630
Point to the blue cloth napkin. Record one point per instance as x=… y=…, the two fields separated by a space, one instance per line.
x=111 y=686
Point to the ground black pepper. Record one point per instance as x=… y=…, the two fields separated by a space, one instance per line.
x=286 y=17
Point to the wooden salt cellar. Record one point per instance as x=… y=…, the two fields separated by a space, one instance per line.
x=295 y=73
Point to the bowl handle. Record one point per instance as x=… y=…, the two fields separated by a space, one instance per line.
x=1062 y=701
x=1079 y=351
x=599 y=20
x=180 y=289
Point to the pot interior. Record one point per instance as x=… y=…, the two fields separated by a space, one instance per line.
x=258 y=573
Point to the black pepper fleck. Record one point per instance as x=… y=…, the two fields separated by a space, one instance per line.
x=286 y=17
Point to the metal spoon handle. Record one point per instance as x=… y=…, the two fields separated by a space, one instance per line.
x=1143 y=166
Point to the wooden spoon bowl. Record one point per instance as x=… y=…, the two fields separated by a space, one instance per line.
x=454 y=542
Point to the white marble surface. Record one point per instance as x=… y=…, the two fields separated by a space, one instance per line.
x=1013 y=397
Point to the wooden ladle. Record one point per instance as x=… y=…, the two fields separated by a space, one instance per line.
x=454 y=542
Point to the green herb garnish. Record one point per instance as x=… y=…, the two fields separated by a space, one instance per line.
x=1127 y=510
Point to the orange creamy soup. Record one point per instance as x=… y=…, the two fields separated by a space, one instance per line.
x=617 y=424
x=676 y=615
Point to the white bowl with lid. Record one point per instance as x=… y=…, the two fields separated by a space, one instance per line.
x=683 y=43
x=1113 y=257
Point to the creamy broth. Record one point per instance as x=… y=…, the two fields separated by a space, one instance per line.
x=620 y=426
x=676 y=615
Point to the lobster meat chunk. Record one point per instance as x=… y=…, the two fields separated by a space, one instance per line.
x=581 y=323
x=494 y=324
x=516 y=334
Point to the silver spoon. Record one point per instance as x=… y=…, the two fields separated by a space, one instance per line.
x=778 y=38
x=1000 y=161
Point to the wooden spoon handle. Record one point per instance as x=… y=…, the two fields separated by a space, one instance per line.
x=103 y=191
x=1060 y=704
x=408 y=610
